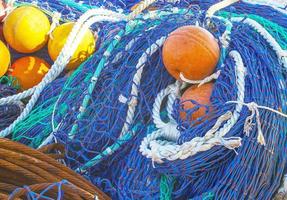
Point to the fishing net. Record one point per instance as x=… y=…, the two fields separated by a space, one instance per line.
x=118 y=114
x=48 y=191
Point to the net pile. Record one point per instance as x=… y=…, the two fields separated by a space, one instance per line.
x=118 y=113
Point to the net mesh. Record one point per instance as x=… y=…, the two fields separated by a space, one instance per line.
x=104 y=111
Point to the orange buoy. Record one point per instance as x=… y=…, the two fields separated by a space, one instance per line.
x=192 y=51
x=199 y=94
x=29 y=71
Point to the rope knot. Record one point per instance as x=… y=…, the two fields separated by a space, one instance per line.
x=253 y=107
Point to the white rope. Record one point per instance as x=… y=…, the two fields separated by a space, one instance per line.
x=277 y=6
x=200 y=82
x=158 y=150
x=136 y=82
x=174 y=94
x=55 y=22
x=218 y=6
x=169 y=128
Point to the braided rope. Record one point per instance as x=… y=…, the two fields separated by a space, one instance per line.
x=169 y=128
x=136 y=81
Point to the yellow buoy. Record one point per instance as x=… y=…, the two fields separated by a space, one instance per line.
x=58 y=40
x=29 y=71
x=4 y=58
x=26 y=29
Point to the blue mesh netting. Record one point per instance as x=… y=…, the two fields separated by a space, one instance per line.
x=97 y=148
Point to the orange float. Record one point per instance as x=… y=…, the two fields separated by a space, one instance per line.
x=192 y=51
x=199 y=94
x=29 y=71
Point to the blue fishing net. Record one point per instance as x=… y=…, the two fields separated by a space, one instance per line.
x=8 y=113
x=104 y=112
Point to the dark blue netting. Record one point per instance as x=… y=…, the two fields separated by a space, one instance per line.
x=8 y=113
x=103 y=127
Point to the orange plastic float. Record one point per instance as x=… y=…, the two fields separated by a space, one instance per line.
x=199 y=94
x=29 y=71
x=192 y=51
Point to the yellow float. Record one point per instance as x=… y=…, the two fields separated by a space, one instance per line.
x=26 y=29
x=58 y=39
x=4 y=58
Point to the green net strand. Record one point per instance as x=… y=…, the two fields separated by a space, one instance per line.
x=277 y=31
x=10 y=81
x=208 y=196
x=166 y=185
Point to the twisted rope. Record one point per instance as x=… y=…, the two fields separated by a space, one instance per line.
x=136 y=81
